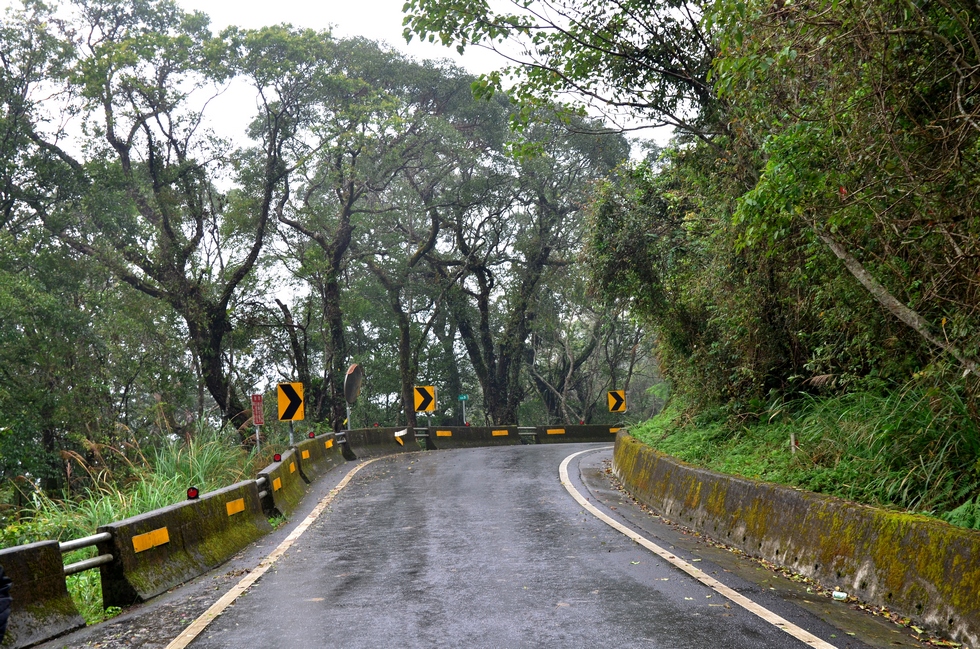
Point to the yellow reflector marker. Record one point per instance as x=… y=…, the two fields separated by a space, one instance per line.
x=306 y=455
x=328 y=444
x=277 y=484
x=613 y=430
x=292 y=467
x=444 y=433
x=150 y=540
x=556 y=431
x=235 y=506
x=499 y=433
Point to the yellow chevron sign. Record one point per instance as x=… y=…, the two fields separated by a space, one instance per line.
x=425 y=398
x=617 y=401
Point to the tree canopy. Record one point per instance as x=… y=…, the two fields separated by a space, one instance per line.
x=157 y=267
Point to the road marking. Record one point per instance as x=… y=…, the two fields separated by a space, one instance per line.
x=197 y=626
x=752 y=607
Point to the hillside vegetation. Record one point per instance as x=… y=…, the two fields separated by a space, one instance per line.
x=805 y=253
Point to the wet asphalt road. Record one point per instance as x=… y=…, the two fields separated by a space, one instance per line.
x=486 y=548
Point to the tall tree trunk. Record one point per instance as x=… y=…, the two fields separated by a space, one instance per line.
x=207 y=332
x=892 y=304
x=336 y=352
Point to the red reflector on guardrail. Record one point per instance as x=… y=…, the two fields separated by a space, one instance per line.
x=277 y=458
x=311 y=435
x=193 y=493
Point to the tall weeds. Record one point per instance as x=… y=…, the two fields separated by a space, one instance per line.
x=915 y=449
x=160 y=477
x=207 y=461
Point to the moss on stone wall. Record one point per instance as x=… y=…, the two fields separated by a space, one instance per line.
x=922 y=568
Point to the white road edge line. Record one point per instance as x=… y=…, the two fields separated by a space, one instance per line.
x=197 y=626
x=720 y=588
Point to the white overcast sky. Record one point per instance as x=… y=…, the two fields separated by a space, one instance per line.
x=380 y=20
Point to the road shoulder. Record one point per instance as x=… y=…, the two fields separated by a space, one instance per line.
x=853 y=620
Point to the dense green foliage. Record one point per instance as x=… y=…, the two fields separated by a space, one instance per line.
x=854 y=446
x=851 y=139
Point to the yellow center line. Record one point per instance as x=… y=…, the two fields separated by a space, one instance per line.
x=734 y=596
x=198 y=625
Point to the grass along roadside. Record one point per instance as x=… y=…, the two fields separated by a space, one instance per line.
x=916 y=450
x=156 y=479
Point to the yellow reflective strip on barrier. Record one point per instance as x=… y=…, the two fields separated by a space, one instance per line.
x=143 y=542
x=328 y=444
x=235 y=506
x=444 y=433
x=613 y=430
x=556 y=431
x=292 y=467
x=500 y=433
x=306 y=455
x=277 y=484
x=399 y=440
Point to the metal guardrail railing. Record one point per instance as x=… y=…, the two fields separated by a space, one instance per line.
x=527 y=433
x=261 y=482
x=86 y=542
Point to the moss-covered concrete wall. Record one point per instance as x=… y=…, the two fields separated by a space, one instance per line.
x=571 y=434
x=41 y=607
x=284 y=483
x=919 y=567
x=373 y=442
x=154 y=552
x=446 y=437
x=317 y=455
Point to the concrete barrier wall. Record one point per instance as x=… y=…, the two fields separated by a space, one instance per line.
x=156 y=551
x=446 y=437
x=333 y=455
x=318 y=455
x=41 y=607
x=919 y=567
x=284 y=484
x=366 y=443
x=572 y=434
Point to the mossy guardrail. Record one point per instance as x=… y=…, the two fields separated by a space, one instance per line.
x=41 y=606
x=448 y=437
x=919 y=567
x=283 y=483
x=365 y=443
x=570 y=434
x=154 y=552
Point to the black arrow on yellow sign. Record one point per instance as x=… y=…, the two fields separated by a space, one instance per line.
x=291 y=402
x=425 y=398
x=617 y=401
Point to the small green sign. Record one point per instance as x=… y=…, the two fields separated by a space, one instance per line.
x=464 y=397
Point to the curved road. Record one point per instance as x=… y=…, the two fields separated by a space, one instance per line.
x=486 y=548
